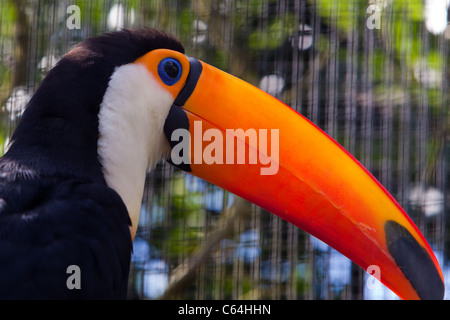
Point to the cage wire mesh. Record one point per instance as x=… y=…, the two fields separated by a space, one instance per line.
x=372 y=74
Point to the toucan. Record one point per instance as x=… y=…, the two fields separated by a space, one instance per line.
x=72 y=178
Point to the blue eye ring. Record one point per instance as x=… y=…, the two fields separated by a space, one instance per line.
x=169 y=70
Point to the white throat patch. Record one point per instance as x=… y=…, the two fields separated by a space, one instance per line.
x=131 y=137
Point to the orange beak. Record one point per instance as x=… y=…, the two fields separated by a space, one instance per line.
x=234 y=135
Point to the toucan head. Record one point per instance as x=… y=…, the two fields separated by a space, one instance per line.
x=135 y=98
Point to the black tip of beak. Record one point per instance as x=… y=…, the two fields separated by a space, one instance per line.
x=414 y=261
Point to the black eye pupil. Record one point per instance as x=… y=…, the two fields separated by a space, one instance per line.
x=171 y=69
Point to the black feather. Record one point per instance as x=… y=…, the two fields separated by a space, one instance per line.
x=55 y=207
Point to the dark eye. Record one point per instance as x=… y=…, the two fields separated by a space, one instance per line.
x=169 y=71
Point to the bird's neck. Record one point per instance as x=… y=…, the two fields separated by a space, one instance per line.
x=52 y=146
x=127 y=145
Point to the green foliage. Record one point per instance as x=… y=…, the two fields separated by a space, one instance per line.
x=273 y=37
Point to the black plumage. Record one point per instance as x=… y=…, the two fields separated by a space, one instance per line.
x=55 y=207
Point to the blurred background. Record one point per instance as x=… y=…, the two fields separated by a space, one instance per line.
x=372 y=74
